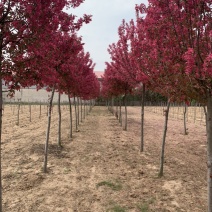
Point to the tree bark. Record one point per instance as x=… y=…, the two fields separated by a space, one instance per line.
x=81 y=108
x=70 y=109
x=48 y=131
x=120 y=113
x=112 y=105
x=184 y=119
x=84 y=108
x=18 y=114
x=205 y=112
x=78 y=112
x=75 y=107
x=59 y=122
x=87 y=107
x=142 y=119
x=209 y=151
x=47 y=109
x=166 y=113
x=125 y=107
x=90 y=105
x=117 y=113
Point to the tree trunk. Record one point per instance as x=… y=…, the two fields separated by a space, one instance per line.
x=184 y=119
x=18 y=114
x=142 y=119
x=70 y=109
x=78 y=112
x=117 y=113
x=125 y=107
x=59 y=122
x=90 y=105
x=112 y=105
x=1 y=111
x=166 y=113
x=47 y=109
x=81 y=108
x=48 y=131
x=120 y=113
x=84 y=109
x=209 y=151
x=205 y=112
x=75 y=107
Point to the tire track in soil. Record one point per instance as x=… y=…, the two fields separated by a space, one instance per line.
x=110 y=156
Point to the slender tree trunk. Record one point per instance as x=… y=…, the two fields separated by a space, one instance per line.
x=70 y=109
x=166 y=113
x=18 y=114
x=59 y=122
x=48 y=131
x=125 y=107
x=184 y=119
x=209 y=151
x=117 y=113
x=90 y=105
x=78 y=112
x=120 y=113
x=81 y=108
x=75 y=107
x=1 y=111
x=84 y=109
x=142 y=119
x=112 y=105
x=205 y=112
x=47 y=109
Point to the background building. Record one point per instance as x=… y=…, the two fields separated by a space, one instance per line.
x=39 y=96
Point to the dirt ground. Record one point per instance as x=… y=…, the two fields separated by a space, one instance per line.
x=101 y=168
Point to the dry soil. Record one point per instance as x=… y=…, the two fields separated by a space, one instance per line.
x=101 y=168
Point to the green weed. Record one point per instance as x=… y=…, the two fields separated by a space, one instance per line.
x=114 y=186
x=117 y=208
x=143 y=207
x=66 y=170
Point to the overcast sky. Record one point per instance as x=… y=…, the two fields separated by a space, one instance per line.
x=103 y=30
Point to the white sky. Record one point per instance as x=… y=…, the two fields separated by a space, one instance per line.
x=103 y=30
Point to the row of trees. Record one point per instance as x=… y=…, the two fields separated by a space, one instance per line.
x=39 y=46
x=166 y=50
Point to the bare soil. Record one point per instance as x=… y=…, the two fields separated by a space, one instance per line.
x=101 y=168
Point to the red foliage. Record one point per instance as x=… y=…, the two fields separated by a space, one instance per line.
x=31 y=32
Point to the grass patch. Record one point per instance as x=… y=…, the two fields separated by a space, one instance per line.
x=117 y=208
x=143 y=207
x=114 y=186
x=66 y=170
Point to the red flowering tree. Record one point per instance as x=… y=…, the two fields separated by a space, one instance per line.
x=180 y=33
x=128 y=57
x=77 y=78
x=26 y=30
x=157 y=64
x=139 y=57
x=114 y=84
